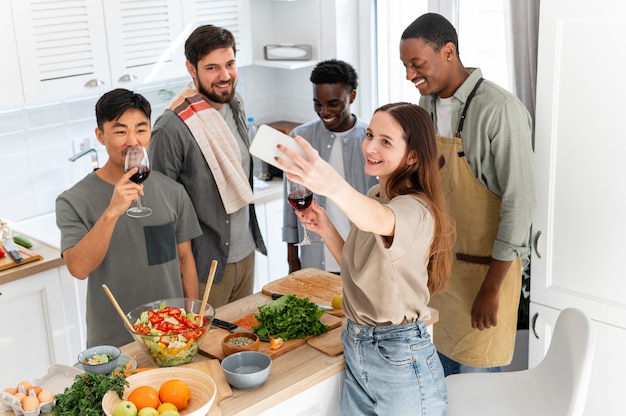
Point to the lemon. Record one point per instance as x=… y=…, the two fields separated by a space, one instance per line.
x=166 y=406
x=336 y=302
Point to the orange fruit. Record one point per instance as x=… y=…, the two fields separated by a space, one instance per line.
x=144 y=396
x=276 y=343
x=175 y=391
x=166 y=406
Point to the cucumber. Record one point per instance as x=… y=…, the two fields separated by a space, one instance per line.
x=22 y=241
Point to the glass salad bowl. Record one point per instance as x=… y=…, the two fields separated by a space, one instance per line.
x=170 y=330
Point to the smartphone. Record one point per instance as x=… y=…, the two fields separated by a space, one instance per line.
x=265 y=141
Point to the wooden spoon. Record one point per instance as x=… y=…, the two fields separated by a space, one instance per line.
x=207 y=290
x=117 y=307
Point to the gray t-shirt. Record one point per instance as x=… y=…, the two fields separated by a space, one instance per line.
x=241 y=247
x=141 y=264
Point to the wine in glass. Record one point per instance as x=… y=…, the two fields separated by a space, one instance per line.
x=300 y=197
x=137 y=156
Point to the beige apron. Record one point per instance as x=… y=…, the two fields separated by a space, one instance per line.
x=476 y=211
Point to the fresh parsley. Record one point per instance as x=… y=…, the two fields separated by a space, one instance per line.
x=84 y=397
x=290 y=317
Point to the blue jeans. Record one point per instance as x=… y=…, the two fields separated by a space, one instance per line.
x=391 y=370
x=452 y=367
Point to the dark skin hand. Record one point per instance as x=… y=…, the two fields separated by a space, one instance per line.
x=487 y=301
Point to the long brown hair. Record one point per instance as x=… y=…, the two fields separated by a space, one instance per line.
x=423 y=179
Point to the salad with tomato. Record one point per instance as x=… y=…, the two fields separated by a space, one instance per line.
x=170 y=334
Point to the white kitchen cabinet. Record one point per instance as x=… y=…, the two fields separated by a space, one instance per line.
x=34 y=331
x=62 y=48
x=11 y=79
x=145 y=41
x=274 y=265
x=321 y=399
x=231 y=14
x=261 y=270
x=75 y=308
x=580 y=174
x=88 y=47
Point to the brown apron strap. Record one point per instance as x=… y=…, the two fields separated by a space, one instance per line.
x=467 y=103
x=468 y=258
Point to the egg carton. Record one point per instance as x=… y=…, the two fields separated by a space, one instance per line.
x=58 y=378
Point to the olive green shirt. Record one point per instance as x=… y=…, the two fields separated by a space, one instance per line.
x=497 y=141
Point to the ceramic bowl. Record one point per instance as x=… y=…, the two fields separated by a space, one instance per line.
x=231 y=342
x=247 y=369
x=104 y=368
x=172 y=348
x=202 y=386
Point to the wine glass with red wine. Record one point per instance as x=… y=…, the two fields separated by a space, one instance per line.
x=137 y=156
x=300 y=197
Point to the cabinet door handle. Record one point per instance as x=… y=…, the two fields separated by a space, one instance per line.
x=537 y=332
x=94 y=83
x=127 y=78
x=536 y=242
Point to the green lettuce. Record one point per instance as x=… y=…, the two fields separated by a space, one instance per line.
x=290 y=317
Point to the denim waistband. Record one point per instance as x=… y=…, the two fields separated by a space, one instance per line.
x=366 y=331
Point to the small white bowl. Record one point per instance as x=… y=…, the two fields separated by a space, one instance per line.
x=247 y=369
x=105 y=368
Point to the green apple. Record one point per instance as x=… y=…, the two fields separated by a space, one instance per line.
x=148 y=411
x=170 y=413
x=125 y=408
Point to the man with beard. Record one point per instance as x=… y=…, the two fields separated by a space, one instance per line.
x=337 y=135
x=201 y=140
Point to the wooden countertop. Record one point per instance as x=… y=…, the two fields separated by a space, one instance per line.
x=291 y=373
x=51 y=259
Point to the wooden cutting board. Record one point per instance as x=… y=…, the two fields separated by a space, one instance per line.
x=329 y=343
x=7 y=261
x=317 y=285
x=211 y=344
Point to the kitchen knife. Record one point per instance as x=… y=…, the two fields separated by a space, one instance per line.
x=319 y=305
x=12 y=249
x=230 y=327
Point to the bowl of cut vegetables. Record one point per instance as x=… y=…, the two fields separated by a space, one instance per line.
x=100 y=359
x=170 y=330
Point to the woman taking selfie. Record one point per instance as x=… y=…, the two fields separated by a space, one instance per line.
x=396 y=255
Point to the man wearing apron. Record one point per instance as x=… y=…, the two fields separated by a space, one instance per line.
x=488 y=178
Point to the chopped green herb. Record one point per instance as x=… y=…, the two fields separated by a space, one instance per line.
x=84 y=397
x=290 y=317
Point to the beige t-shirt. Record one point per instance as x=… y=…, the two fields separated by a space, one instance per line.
x=384 y=285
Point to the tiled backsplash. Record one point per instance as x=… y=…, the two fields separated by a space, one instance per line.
x=37 y=141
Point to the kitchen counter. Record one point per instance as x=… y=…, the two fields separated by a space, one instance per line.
x=292 y=372
x=51 y=259
x=265 y=191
